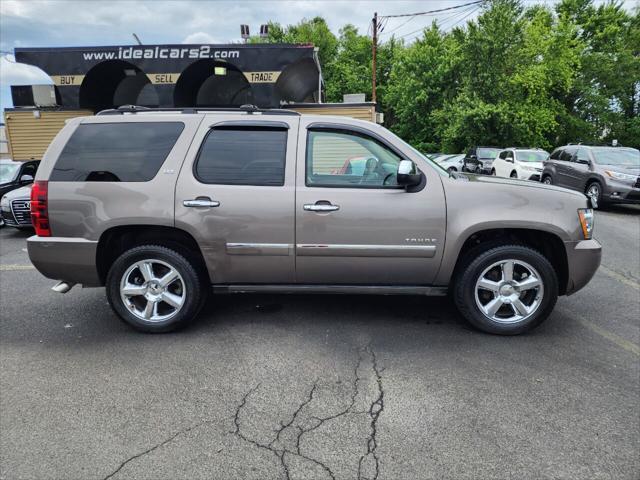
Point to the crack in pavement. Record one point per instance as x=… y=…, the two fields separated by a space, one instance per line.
x=155 y=447
x=376 y=408
x=282 y=452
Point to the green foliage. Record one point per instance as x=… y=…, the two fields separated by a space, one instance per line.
x=517 y=75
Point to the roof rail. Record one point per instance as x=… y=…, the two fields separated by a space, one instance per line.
x=249 y=109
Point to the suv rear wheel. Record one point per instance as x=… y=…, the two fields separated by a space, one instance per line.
x=506 y=290
x=154 y=289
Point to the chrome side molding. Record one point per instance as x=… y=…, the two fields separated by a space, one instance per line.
x=272 y=249
x=338 y=250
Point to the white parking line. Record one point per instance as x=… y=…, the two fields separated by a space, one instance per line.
x=618 y=340
x=621 y=278
x=10 y=268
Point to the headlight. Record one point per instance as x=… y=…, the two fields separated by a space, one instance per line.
x=4 y=202
x=586 y=221
x=620 y=176
x=529 y=169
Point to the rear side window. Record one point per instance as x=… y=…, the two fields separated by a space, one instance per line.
x=243 y=156
x=567 y=155
x=116 y=152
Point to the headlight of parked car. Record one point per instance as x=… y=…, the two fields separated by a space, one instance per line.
x=4 y=202
x=530 y=169
x=620 y=176
x=586 y=221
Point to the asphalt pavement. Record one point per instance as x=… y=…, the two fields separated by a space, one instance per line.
x=321 y=387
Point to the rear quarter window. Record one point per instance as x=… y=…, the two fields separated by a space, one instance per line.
x=116 y=152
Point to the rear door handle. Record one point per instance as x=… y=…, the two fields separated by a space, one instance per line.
x=320 y=207
x=201 y=202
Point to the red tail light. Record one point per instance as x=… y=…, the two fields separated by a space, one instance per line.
x=39 y=208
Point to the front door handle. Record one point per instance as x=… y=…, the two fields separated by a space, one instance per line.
x=320 y=207
x=201 y=202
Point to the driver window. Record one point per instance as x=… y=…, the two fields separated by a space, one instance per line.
x=337 y=158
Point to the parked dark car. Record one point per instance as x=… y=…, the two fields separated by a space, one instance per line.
x=480 y=159
x=15 y=208
x=15 y=175
x=605 y=174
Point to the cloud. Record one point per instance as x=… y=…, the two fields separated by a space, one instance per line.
x=12 y=73
x=200 y=37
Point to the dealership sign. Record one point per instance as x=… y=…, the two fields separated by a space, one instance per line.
x=178 y=75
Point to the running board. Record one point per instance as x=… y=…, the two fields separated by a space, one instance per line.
x=335 y=289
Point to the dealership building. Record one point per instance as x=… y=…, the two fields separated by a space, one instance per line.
x=89 y=79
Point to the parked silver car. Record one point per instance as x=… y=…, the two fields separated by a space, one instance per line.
x=605 y=174
x=451 y=163
x=160 y=206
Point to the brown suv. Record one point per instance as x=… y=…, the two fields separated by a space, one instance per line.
x=158 y=206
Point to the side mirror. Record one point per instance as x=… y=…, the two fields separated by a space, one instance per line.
x=408 y=174
x=509 y=159
x=26 y=179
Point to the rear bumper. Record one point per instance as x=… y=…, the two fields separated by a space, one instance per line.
x=62 y=258
x=583 y=259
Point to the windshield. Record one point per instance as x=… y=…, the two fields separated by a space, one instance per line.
x=8 y=172
x=624 y=157
x=438 y=168
x=532 y=156
x=488 y=152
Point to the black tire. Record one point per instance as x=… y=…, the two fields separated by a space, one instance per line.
x=493 y=172
x=194 y=288
x=592 y=187
x=451 y=169
x=514 y=174
x=475 y=263
x=546 y=179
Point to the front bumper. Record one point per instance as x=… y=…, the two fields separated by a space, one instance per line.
x=63 y=258
x=616 y=191
x=16 y=214
x=583 y=259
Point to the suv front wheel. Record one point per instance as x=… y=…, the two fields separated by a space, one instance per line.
x=506 y=290
x=154 y=289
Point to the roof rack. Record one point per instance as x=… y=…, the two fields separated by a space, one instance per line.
x=248 y=109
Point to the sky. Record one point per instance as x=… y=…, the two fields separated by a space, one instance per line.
x=64 y=23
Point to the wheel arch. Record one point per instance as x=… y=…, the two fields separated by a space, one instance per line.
x=116 y=240
x=547 y=243
x=592 y=179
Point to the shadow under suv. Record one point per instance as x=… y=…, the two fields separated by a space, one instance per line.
x=605 y=174
x=163 y=207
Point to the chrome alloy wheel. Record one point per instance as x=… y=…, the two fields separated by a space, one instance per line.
x=593 y=192
x=509 y=291
x=152 y=290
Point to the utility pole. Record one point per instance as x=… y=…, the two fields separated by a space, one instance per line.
x=373 y=62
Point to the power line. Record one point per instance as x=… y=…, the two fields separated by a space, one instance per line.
x=455 y=16
x=428 y=12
